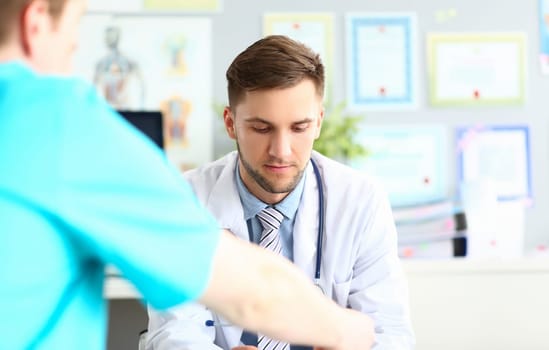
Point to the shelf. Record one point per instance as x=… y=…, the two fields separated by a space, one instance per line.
x=466 y=265
x=117 y=287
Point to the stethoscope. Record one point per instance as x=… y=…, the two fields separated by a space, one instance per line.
x=320 y=234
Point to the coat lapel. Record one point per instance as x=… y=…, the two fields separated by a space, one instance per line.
x=224 y=201
x=306 y=225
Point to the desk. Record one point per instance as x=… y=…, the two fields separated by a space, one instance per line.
x=117 y=287
x=464 y=304
x=480 y=305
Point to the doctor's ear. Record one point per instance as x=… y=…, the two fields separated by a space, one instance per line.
x=228 y=118
x=319 y=123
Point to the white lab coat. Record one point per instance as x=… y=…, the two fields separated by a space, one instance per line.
x=360 y=267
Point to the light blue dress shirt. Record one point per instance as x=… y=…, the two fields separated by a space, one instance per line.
x=288 y=207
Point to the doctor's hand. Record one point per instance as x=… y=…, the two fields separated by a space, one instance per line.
x=357 y=332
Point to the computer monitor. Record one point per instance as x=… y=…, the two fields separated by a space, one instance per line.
x=149 y=123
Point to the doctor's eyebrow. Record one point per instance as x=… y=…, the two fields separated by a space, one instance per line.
x=261 y=120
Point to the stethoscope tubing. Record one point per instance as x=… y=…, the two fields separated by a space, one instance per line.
x=320 y=222
x=321 y=217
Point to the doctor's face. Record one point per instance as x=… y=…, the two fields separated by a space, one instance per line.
x=274 y=130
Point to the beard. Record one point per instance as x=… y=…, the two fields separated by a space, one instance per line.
x=266 y=184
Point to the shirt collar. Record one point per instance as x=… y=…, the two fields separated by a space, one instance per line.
x=252 y=205
x=15 y=67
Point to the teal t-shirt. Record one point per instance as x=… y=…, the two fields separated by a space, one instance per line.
x=79 y=189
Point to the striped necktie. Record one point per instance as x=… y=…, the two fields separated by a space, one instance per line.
x=270 y=219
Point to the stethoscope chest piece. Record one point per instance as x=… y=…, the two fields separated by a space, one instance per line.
x=317 y=284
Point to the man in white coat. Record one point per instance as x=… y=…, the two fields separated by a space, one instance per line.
x=275 y=113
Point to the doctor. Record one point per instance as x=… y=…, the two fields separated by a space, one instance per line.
x=335 y=223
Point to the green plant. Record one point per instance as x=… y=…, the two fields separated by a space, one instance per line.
x=337 y=136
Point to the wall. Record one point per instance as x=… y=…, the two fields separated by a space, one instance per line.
x=243 y=20
x=240 y=24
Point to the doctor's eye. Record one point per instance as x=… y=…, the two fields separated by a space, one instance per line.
x=261 y=129
x=301 y=127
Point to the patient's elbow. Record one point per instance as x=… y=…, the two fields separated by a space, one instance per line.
x=269 y=298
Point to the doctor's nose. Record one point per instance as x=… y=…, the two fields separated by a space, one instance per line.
x=280 y=146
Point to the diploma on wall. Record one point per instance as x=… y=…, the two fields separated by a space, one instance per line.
x=544 y=35
x=316 y=30
x=153 y=6
x=477 y=69
x=381 y=61
x=409 y=161
x=183 y=5
x=110 y=6
x=499 y=155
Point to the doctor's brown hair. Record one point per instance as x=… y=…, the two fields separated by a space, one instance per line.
x=274 y=62
x=11 y=11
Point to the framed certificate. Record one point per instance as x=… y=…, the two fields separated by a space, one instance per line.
x=144 y=6
x=499 y=155
x=316 y=30
x=410 y=161
x=544 y=35
x=381 y=61
x=477 y=69
x=183 y=5
x=108 y=6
